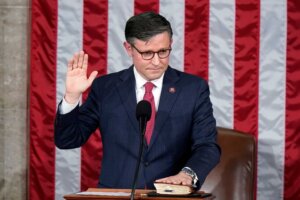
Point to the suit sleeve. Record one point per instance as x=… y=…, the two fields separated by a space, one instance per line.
x=205 y=151
x=72 y=130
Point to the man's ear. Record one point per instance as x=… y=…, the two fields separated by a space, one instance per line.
x=128 y=48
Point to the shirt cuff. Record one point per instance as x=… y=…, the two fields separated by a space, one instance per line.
x=66 y=107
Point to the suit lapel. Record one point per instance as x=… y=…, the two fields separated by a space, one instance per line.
x=169 y=93
x=168 y=97
x=126 y=89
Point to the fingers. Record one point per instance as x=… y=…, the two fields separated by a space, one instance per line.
x=75 y=61
x=171 y=179
x=93 y=75
x=79 y=60
x=177 y=179
x=70 y=65
x=85 y=61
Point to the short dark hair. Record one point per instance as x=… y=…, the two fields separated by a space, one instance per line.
x=146 y=25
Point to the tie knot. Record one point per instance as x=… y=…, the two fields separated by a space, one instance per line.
x=148 y=87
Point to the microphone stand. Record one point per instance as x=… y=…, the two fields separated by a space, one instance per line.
x=143 y=130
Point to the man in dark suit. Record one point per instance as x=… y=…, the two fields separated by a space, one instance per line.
x=181 y=147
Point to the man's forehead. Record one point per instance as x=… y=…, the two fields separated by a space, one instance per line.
x=156 y=41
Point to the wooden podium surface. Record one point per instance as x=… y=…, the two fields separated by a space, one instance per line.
x=139 y=194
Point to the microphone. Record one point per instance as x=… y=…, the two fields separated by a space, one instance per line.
x=143 y=114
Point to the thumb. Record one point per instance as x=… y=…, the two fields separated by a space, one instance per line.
x=92 y=77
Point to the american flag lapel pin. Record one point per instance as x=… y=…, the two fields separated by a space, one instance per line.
x=172 y=90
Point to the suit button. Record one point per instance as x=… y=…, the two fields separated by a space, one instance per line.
x=146 y=164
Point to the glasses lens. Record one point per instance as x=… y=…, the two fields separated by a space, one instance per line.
x=147 y=55
x=164 y=53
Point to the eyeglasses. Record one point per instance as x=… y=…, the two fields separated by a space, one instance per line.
x=148 y=55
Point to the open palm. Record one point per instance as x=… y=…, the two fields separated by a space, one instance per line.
x=76 y=79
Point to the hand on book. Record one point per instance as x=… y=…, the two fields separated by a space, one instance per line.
x=178 y=179
x=173 y=189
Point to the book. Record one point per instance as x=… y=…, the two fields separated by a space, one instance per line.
x=173 y=189
x=198 y=194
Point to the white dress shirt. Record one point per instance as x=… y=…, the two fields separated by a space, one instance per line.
x=140 y=88
x=139 y=91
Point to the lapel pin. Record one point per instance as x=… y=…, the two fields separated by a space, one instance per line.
x=172 y=90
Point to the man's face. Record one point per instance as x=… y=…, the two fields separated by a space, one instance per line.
x=155 y=67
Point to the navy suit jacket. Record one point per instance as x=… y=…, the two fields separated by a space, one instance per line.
x=184 y=132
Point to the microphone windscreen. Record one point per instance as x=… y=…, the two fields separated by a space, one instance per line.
x=143 y=110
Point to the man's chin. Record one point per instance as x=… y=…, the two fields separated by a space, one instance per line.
x=154 y=76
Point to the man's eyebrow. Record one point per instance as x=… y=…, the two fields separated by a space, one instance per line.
x=162 y=49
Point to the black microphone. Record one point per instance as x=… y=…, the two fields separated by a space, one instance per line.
x=143 y=114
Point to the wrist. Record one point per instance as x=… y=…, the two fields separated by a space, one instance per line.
x=188 y=171
x=71 y=98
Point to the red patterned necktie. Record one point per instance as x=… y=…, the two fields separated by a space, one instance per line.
x=149 y=97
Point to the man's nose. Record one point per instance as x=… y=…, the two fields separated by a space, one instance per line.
x=155 y=60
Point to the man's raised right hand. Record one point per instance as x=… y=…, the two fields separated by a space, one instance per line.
x=76 y=78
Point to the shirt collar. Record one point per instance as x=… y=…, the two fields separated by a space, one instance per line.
x=140 y=81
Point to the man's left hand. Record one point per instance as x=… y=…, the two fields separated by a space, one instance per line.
x=181 y=179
